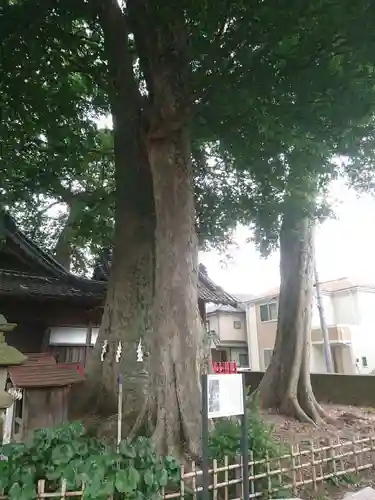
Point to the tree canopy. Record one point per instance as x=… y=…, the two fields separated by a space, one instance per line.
x=223 y=112
x=265 y=83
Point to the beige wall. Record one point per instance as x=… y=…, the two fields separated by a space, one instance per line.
x=213 y=322
x=337 y=333
x=233 y=341
x=266 y=334
x=223 y=324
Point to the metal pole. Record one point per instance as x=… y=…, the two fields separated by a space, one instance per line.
x=323 y=324
x=245 y=443
x=205 y=495
x=119 y=411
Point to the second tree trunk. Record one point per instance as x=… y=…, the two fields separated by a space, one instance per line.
x=286 y=384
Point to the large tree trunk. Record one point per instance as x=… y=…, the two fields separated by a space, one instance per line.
x=286 y=385
x=63 y=248
x=172 y=406
x=177 y=343
x=127 y=310
x=178 y=334
x=126 y=317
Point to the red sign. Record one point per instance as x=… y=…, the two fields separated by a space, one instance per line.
x=225 y=367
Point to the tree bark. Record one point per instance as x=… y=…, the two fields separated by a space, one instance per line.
x=126 y=317
x=63 y=248
x=177 y=344
x=170 y=405
x=177 y=341
x=286 y=385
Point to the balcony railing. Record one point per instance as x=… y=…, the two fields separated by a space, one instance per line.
x=336 y=333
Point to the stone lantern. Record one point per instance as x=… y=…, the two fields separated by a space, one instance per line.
x=9 y=356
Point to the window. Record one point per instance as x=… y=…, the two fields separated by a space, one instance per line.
x=68 y=335
x=364 y=362
x=219 y=356
x=243 y=359
x=237 y=325
x=207 y=326
x=267 y=356
x=268 y=312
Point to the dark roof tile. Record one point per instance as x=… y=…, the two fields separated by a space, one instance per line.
x=207 y=289
x=61 y=283
x=41 y=370
x=17 y=283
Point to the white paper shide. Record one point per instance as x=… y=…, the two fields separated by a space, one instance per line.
x=225 y=395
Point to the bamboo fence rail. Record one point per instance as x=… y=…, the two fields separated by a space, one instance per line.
x=301 y=467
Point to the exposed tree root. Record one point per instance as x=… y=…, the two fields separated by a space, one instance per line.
x=323 y=414
x=175 y=432
x=291 y=407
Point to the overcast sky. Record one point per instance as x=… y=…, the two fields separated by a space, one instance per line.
x=345 y=247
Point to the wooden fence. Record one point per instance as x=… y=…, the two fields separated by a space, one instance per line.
x=302 y=467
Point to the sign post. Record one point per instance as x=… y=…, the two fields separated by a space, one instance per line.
x=245 y=443
x=119 y=401
x=205 y=495
x=118 y=353
x=224 y=395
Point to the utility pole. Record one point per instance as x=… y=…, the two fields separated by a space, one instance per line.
x=323 y=324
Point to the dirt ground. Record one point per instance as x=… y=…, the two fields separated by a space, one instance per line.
x=350 y=422
x=331 y=492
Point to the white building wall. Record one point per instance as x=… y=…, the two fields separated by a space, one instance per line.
x=252 y=337
x=345 y=305
x=363 y=335
x=328 y=312
x=317 y=360
x=225 y=328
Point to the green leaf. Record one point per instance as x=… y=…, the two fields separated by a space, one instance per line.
x=77 y=429
x=106 y=489
x=127 y=480
x=162 y=477
x=171 y=464
x=62 y=454
x=80 y=448
x=14 y=491
x=149 y=477
x=93 y=485
x=53 y=475
x=127 y=449
x=28 y=492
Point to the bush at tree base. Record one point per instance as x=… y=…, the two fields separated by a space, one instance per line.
x=225 y=440
x=135 y=472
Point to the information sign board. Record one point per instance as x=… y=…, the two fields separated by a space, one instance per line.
x=225 y=395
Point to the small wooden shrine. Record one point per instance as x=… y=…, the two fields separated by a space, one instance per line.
x=44 y=389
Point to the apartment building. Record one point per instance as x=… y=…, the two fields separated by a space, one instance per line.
x=349 y=309
x=227 y=327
